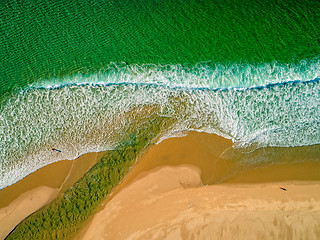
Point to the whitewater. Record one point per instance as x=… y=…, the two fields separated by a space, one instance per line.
x=266 y=105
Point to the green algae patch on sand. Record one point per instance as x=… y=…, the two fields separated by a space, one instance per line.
x=69 y=212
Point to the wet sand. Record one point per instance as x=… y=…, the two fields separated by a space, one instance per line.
x=170 y=203
x=173 y=193
x=23 y=206
x=202 y=150
x=39 y=188
x=165 y=197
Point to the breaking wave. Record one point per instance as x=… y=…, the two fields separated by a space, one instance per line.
x=255 y=106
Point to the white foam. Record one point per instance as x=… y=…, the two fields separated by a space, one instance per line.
x=202 y=75
x=79 y=118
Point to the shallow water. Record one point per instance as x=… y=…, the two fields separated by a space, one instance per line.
x=77 y=76
x=85 y=117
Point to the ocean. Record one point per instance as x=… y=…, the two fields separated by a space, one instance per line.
x=76 y=75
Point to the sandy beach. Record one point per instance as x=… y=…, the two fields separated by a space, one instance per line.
x=164 y=197
x=184 y=188
x=170 y=203
x=39 y=188
x=23 y=206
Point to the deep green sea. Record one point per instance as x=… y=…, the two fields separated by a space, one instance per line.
x=75 y=75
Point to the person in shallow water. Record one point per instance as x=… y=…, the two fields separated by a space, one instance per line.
x=54 y=149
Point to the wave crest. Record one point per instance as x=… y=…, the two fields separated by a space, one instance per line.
x=94 y=112
x=202 y=75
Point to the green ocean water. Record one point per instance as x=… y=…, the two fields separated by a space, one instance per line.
x=41 y=39
x=82 y=76
x=75 y=75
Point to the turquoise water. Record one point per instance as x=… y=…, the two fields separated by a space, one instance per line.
x=77 y=75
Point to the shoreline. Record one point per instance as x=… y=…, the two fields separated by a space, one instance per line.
x=206 y=152
x=201 y=155
x=176 y=169
x=158 y=206
x=39 y=188
x=23 y=206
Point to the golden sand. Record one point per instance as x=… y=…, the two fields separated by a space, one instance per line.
x=173 y=193
x=164 y=197
x=39 y=188
x=170 y=203
x=23 y=206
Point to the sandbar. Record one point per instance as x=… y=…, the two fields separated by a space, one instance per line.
x=178 y=190
x=39 y=188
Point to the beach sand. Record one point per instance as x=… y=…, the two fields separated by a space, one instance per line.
x=39 y=188
x=164 y=197
x=23 y=206
x=184 y=188
x=170 y=203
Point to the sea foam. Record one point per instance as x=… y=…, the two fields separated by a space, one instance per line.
x=255 y=106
